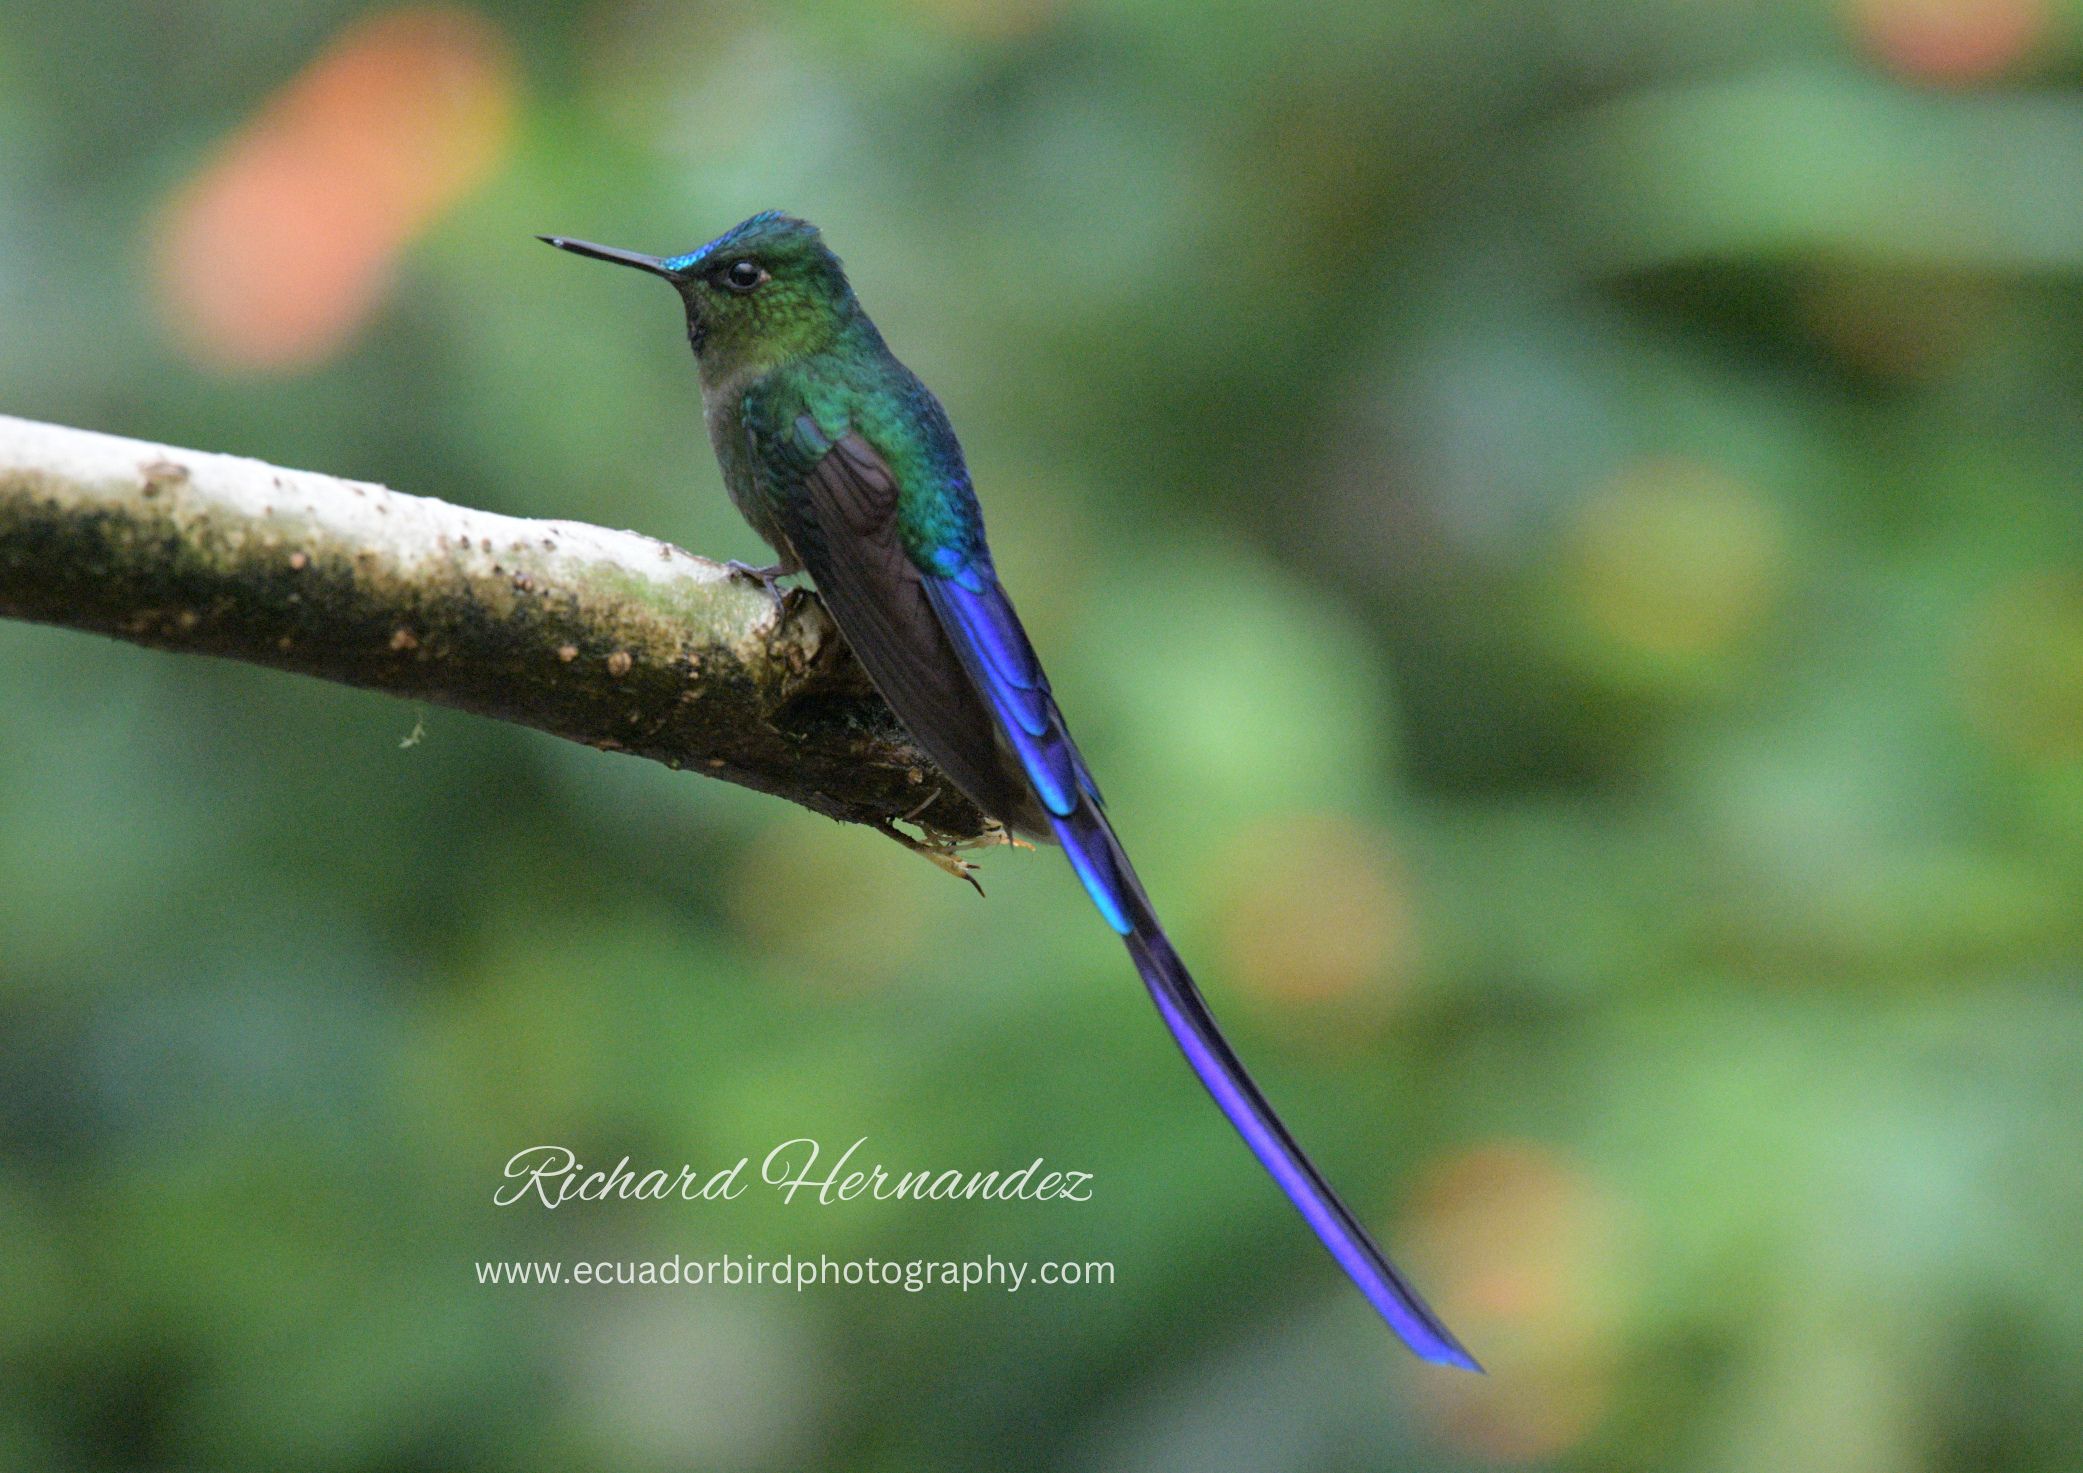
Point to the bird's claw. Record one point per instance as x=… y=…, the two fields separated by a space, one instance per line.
x=940 y=856
x=955 y=865
x=767 y=577
x=994 y=834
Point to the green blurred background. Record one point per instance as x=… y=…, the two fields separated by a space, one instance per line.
x=1556 y=522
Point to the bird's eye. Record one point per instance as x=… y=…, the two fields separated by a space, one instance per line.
x=743 y=276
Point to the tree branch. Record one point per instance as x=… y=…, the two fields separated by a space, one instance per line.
x=608 y=638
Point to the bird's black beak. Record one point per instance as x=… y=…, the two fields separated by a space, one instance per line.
x=651 y=264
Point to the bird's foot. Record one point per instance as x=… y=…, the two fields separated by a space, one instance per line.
x=768 y=578
x=940 y=856
x=994 y=834
x=944 y=852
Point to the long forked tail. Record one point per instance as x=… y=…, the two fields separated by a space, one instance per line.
x=1097 y=855
x=986 y=634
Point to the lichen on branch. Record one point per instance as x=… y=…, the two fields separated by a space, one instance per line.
x=609 y=638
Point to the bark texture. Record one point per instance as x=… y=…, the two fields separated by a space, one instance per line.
x=609 y=638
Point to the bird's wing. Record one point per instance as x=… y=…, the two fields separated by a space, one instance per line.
x=948 y=650
x=843 y=525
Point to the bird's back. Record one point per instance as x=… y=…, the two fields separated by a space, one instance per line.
x=872 y=521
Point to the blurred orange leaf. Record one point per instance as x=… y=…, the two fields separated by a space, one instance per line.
x=1315 y=910
x=1949 y=41
x=282 y=245
x=1523 y=1240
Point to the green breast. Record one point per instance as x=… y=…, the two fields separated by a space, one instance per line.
x=724 y=408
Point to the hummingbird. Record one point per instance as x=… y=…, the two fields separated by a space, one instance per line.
x=846 y=466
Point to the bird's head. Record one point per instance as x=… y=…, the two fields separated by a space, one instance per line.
x=763 y=292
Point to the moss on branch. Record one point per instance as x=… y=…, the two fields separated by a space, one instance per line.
x=608 y=638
